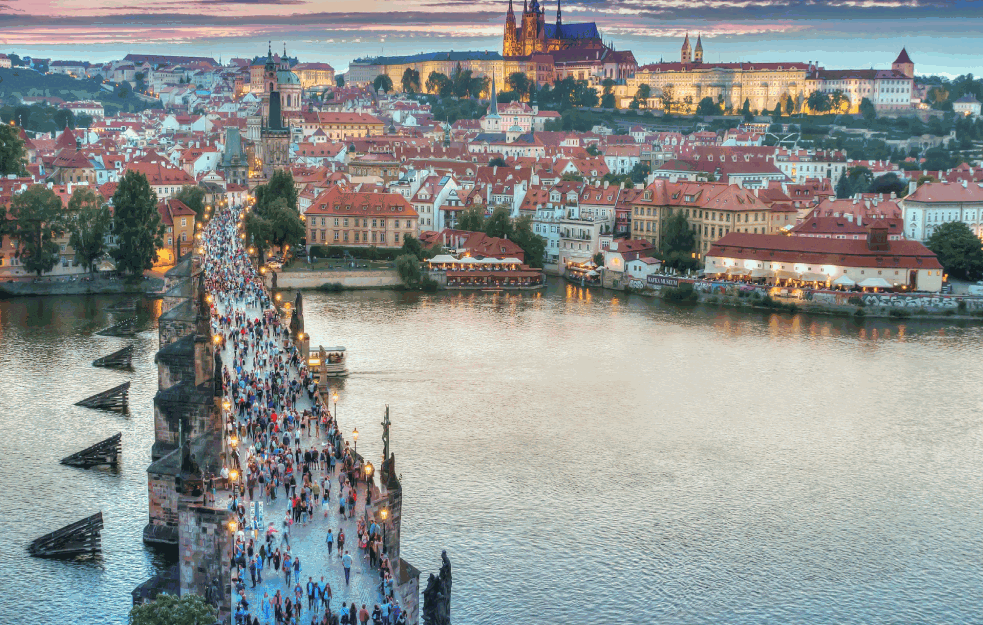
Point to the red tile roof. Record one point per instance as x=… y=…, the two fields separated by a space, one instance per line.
x=821 y=251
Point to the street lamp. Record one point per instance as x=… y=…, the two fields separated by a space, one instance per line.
x=355 y=436
x=368 y=471
x=226 y=405
x=335 y=398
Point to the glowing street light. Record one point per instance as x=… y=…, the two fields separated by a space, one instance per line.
x=355 y=436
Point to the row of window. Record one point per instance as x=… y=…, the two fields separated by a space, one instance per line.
x=376 y=223
x=356 y=236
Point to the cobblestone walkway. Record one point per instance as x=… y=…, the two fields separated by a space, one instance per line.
x=308 y=540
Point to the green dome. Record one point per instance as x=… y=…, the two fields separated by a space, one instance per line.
x=284 y=77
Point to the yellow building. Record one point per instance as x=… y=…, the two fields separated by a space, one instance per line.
x=314 y=75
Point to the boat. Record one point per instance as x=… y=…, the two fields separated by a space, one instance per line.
x=334 y=362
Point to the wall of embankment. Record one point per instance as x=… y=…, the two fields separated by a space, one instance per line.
x=384 y=279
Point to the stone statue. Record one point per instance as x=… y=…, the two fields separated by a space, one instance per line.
x=385 y=435
x=297 y=322
x=273 y=278
x=437 y=595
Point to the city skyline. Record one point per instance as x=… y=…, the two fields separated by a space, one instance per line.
x=317 y=30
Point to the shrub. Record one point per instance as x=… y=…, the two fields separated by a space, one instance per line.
x=331 y=287
x=361 y=253
x=962 y=306
x=682 y=293
x=856 y=300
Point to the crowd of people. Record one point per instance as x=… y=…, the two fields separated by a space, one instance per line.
x=289 y=452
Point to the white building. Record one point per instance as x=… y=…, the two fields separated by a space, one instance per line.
x=936 y=203
x=967 y=105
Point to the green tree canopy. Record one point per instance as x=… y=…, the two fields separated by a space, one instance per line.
x=136 y=224
x=194 y=198
x=855 y=180
x=408 y=270
x=339 y=80
x=12 y=153
x=867 y=110
x=286 y=227
x=497 y=161
x=819 y=102
x=410 y=81
x=37 y=220
x=259 y=233
x=499 y=223
x=958 y=249
x=707 y=107
x=518 y=82
x=439 y=84
x=678 y=241
x=412 y=245
x=383 y=82
x=89 y=221
x=280 y=186
x=472 y=219
x=171 y=610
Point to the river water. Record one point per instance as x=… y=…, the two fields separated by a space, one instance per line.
x=583 y=457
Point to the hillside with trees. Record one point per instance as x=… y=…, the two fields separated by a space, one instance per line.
x=20 y=82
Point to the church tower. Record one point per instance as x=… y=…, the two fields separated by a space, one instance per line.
x=559 y=20
x=698 y=51
x=510 y=44
x=686 y=55
x=533 y=29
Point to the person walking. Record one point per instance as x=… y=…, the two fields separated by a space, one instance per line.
x=330 y=541
x=346 y=561
x=311 y=593
x=363 y=615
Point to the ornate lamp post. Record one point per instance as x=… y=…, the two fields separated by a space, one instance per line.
x=355 y=437
x=335 y=398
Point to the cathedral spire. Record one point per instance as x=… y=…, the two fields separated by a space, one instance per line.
x=559 y=20
x=269 y=50
x=525 y=7
x=510 y=13
x=494 y=99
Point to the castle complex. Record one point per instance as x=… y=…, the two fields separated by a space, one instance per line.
x=535 y=35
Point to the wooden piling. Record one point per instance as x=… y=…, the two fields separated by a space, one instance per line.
x=80 y=538
x=103 y=452
x=122 y=359
x=115 y=399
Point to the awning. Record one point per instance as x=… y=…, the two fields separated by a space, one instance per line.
x=782 y=274
x=762 y=273
x=815 y=277
x=712 y=272
x=876 y=283
x=844 y=280
x=738 y=271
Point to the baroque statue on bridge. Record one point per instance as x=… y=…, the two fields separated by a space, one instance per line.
x=437 y=595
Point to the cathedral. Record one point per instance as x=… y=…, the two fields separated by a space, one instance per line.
x=535 y=35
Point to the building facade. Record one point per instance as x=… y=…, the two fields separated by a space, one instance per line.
x=535 y=35
x=340 y=217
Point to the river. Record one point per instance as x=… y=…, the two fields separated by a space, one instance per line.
x=582 y=456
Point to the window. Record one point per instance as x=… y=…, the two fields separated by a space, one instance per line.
x=184 y=236
x=396 y=237
x=335 y=222
x=346 y=236
x=346 y=224
x=336 y=234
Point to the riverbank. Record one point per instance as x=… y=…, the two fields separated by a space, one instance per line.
x=338 y=280
x=98 y=286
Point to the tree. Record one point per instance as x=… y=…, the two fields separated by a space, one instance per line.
x=412 y=245
x=286 y=228
x=642 y=95
x=89 y=221
x=640 y=172
x=855 y=180
x=888 y=183
x=746 y=110
x=497 y=161
x=383 y=83
x=64 y=118
x=598 y=259
x=411 y=80
x=281 y=185
x=707 y=107
x=171 y=610
x=668 y=99
x=472 y=219
x=37 y=220
x=408 y=270
x=818 y=102
x=194 y=198
x=499 y=224
x=439 y=84
x=677 y=241
x=519 y=83
x=533 y=245
x=259 y=234
x=12 y=153
x=339 y=80
x=607 y=96
x=958 y=249
x=136 y=224
x=789 y=105
x=593 y=150
x=867 y=110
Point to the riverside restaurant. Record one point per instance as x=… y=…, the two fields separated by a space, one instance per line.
x=486 y=273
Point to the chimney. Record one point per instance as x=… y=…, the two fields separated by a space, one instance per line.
x=849 y=217
x=606 y=183
x=965 y=184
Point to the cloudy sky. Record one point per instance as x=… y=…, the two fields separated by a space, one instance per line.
x=943 y=36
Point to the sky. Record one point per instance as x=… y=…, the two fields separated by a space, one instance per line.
x=942 y=36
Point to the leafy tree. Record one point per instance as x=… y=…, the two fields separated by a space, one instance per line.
x=888 y=183
x=677 y=241
x=593 y=150
x=598 y=259
x=531 y=243
x=642 y=95
x=281 y=185
x=412 y=246
x=818 y=102
x=707 y=107
x=497 y=161
x=339 y=80
x=668 y=99
x=777 y=113
x=926 y=178
x=439 y=84
x=12 y=154
x=607 y=95
x=89 y=221
x=383 y=82
x=838 y=100
x=259 y=234
x=958 y=249
x=639 y=172
x=64 y=118
x=572 y=177
x=472 y=219
x=136 y=224
x=194 y=198
x=746 y=110
x=499 y=224
x=867 y=110
x=37 y=220
x=410 y=81
x=286 y=228
x=855 y=180
x=408 y=270
x=789 y=105
x=171 y=610
x=518 y=82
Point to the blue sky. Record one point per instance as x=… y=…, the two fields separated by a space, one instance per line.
x=942 y=36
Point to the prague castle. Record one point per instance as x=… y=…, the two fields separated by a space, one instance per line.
x=535 y=35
